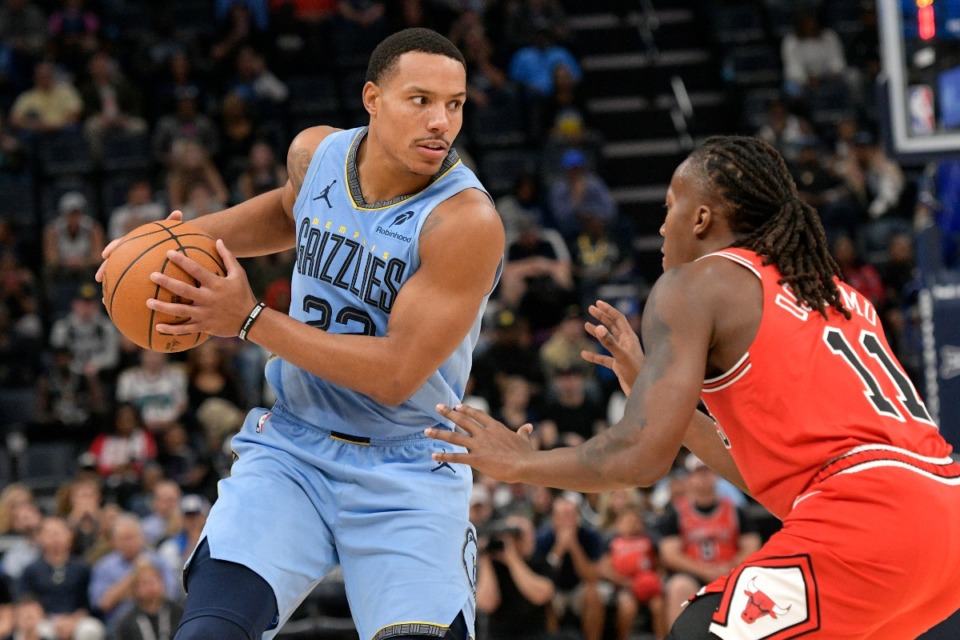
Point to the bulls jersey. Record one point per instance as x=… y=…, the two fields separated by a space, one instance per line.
x=353 y=257
x=712 y=536
x=813 y=391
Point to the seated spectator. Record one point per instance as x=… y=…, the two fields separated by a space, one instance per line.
x=157 y=388
x=52 y=105
x=259 y=87
x=154 y=615
x=60 y=581
x=600 y=257
x=523 y=201
x=877 y=182
x=532 y=66
x=564 y=114
x=201 y=200
x=511 y=352
x=574 y=550
x=73 y=241
x=514 y=584
x=22 y=541
x=783 y=130
x=571 y=412
x=177 y=548
x=515 y=410
x=179 y=77
x=12 y=496
x=112 y=576
x=238 y=131
x=485 y=78
x=237 y=30
x=704 y=536
x=561 y=352
x=812 y=55
x=209 y=375
x=82 y=510
x=183 y=462
x=191 y=163
x=89 y=335
x=72 y=402
x=631 y=565
x=110 y=102
x=578 y=192
x=139 y=209
x=263 y=173
x=820 y=187
x=858 y=273
x=165 y=517
x=537 y=275
x=185 y=123
x=74 y=34
x=120 y=455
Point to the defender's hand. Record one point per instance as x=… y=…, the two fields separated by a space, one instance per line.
x=618 y=337
x=493 y=449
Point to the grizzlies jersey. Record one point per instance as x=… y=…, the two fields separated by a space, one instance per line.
x=352 y=260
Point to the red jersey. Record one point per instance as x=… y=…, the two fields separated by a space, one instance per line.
x=632 y=555
x=812 y=391
x=712 y=537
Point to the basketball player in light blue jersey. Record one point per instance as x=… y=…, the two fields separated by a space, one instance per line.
x=398 y=248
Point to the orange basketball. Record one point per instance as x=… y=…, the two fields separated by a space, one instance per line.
x=127 y=285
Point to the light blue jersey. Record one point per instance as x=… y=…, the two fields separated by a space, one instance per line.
x=352 y=259
x=329 y=477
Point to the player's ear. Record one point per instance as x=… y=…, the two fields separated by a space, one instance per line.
x=704 y=219
x=371 y=98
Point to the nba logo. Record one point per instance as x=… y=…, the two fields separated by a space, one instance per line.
x=920 y=106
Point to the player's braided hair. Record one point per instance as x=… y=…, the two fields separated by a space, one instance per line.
x=769 y=218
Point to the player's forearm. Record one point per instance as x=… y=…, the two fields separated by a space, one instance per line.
x=703 y=439
x=257 y=227
x=379 y=367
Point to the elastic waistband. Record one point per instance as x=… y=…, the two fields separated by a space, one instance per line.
x=874 y=456
x=364 y=441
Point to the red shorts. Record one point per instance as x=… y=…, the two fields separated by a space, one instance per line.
x=869 y=553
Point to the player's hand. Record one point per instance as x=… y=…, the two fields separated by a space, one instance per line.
x=492 y=447
x=618 y=337
x=220 y=304
x=177 y=216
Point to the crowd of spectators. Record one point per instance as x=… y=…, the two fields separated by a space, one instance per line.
x=161 y=106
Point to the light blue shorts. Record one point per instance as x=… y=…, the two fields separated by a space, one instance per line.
x=301 y=500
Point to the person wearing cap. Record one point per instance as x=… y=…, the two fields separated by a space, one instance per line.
x=579 y=192
x=73 y=240
x=704 y=535
x=177 y=548
x=89 y=335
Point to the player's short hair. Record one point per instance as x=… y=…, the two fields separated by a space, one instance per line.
x=384 y=58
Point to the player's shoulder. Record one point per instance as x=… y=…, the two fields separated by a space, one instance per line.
x=309 y=139
x=469 y=211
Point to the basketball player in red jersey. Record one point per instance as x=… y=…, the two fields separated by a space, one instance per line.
x=815 y=417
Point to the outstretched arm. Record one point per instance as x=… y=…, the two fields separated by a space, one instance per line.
x=638 y=450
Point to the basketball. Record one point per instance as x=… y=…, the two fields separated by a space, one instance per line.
x=127 y=285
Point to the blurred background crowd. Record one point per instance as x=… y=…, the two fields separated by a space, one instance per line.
x=115 y=112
